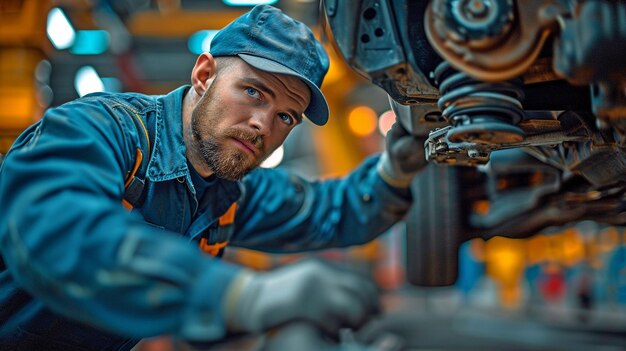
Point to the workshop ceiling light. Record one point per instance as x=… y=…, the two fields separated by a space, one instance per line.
x=59 y=29
x=90 y=42
x=249 y=2
x=200 y=41
x=274 y=159
x=87 y=81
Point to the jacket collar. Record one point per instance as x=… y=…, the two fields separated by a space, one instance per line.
x=168 y=159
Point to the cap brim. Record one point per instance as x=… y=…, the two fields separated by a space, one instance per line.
x=317 y=111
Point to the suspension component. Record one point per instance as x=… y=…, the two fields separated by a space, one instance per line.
x=480 y=112
x=492 y=40
x=480 y=24
x=591 y=49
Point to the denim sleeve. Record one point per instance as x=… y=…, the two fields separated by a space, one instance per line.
x=282 y=212
x=67 y=240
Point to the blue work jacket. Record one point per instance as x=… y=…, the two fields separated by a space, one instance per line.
x=82 y=271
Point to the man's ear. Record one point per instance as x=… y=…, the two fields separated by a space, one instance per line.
x=203 y=73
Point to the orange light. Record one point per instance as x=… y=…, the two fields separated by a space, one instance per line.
x=505 y=258
x=573 y=247
x=505 y=262
x=481 y=207
x=537 y=249
x=362 y=121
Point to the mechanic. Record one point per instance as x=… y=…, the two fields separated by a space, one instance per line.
x=81 y=272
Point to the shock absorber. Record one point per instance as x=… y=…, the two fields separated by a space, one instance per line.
x=480 y=112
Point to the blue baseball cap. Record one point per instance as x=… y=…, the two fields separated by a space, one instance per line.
x=271 y=41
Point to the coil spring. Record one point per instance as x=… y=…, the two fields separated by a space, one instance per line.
x=480 y=112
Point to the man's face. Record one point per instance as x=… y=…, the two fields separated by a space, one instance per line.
x=244 y=115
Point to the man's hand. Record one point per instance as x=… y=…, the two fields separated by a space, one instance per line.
x=403 y=158
x=309 y=291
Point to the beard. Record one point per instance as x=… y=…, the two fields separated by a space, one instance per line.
x=226 y=162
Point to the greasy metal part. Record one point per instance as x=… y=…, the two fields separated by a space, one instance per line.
x=418 y=119
x=555 y=209
x=486 y=132
x=565 y=154
x=439 y=148
x=506 y=203
x=370 y=43
x=608 y=102
x=605 y=165
x=373 y=46
x=481 y=24
x=597 y=157
x=591 y=46
x=540 y=71
x=512 y=50
x=540 y=126
x=557 y=200
x=484 y=113
x=521 y=212
x=412 y=83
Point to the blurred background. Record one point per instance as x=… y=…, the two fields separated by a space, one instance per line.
x=563 y=289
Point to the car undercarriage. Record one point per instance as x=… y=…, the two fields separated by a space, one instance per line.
x=522 y=105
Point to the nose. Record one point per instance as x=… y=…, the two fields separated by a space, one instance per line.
x=261 y=121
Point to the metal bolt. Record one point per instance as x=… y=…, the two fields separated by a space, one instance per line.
x=477 y=8
x=441 y=147
x=473 y=153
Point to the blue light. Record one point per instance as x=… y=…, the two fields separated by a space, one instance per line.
x=59 y=29
x=90 y=42
x=200 y=41
x=249 y=2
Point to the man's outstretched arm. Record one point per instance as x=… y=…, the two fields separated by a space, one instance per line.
x=282 y=212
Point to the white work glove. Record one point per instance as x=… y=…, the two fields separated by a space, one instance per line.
x=403 y=157
x=309 y=291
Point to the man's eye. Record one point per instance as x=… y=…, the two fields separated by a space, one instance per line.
x=285 y=118
x=252 y=92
